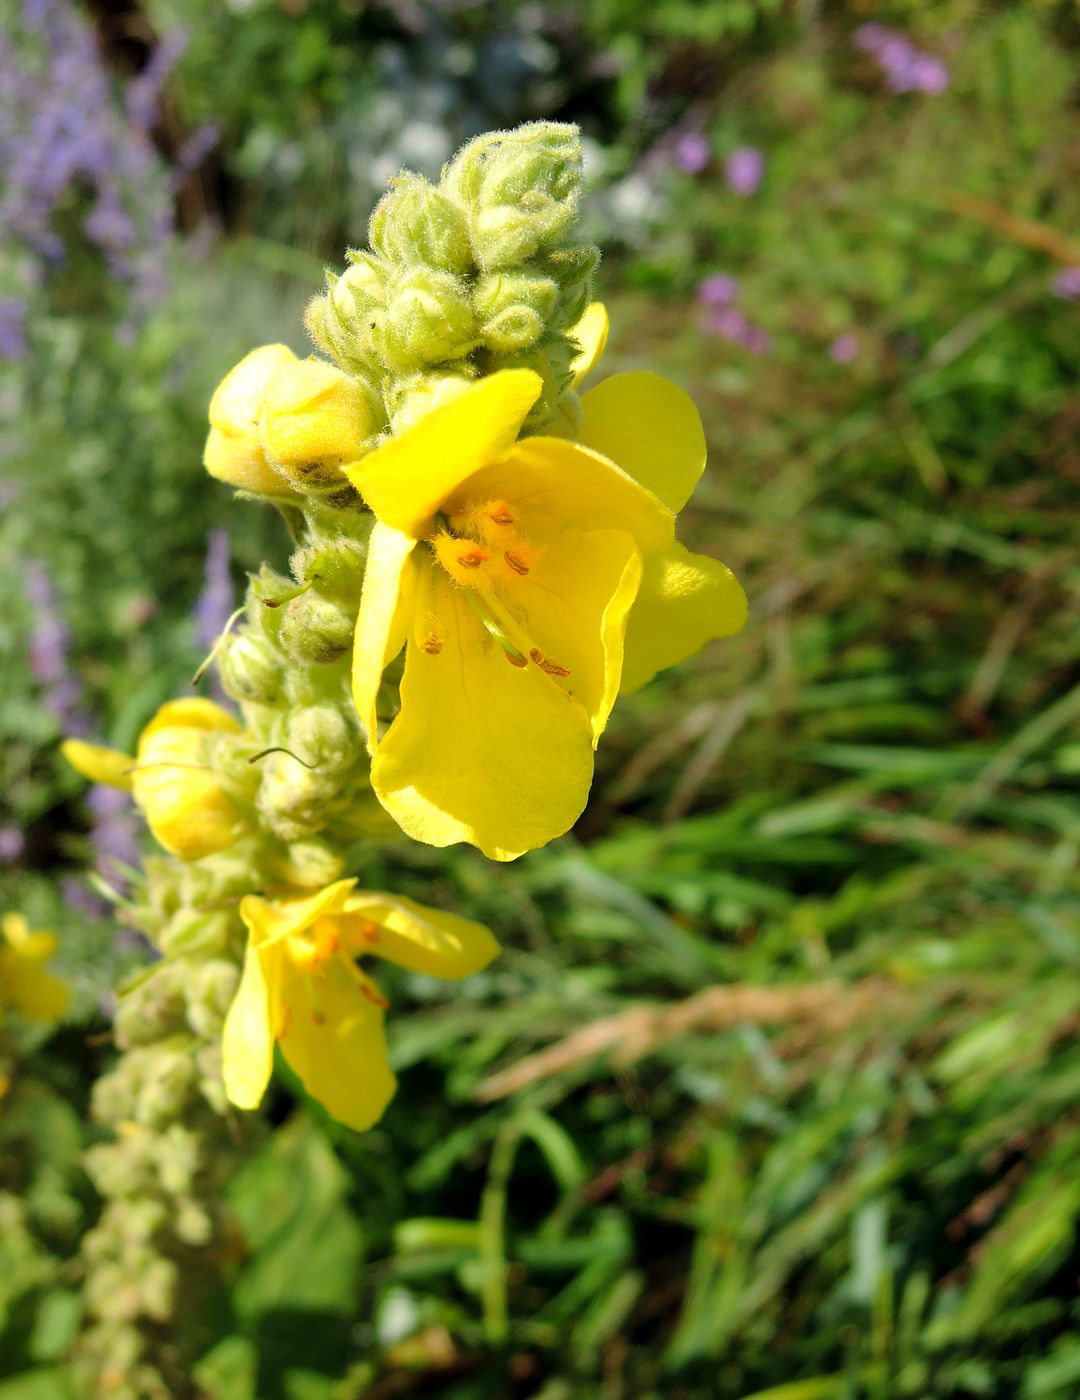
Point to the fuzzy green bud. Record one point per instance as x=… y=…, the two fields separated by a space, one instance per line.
x=291 y=798
x=522 y=188
x=572 y=267
x=250 y=669
x=429 y=319
x=513 y=308
x=347 y=321
x=411 y=398
x=309 y=864
x=316 y=629
x=320 y=735
x=210 y=991
x=337 y=563
x=416 y=223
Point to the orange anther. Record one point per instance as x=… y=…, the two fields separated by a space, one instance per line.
x=371 y=933
x=518 y=565
x=537 y=656
x=549 y=667
x=472 y=559
x=432 y=645
x=500 y=514
x=373 y=996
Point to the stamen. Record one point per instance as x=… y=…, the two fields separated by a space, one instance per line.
x=376 y=998
x=518 y=565
x=499 y=513
x=369 y=932
x=549 y=667
x=431 y=644
x=472 y=559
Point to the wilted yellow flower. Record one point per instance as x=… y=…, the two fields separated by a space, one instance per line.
x=233 y=451
x=25 y=984
x=509 y=569
x=180 y=794
x=302 y=988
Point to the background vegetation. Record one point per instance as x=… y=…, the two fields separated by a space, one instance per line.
x=774 y=1091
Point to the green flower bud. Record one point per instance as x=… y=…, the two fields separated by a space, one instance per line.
x=209 y=995
x=512 y=309
x=309 y=865
x=337 y=564
x=317 y=629
x=322 y=737
x=411 y=398
x=522 y=187
x=152 y=1008
x=250 y=669
x=416 y=223
x=292 y=799
x=573 y=267
x=429 y=319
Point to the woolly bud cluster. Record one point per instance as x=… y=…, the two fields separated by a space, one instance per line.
x=466 y=277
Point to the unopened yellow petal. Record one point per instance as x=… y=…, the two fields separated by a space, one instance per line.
x=238 y=399
x=269 y=921
x=382 y=620
x=685 y=600
x=418 y=938
x=332 y=1037
x=408 y=479
x=573 y=609
x=185 y=805
x=482 y=751
x=247 y=1045
x=315 y=420
x=99 y=765
x=559 y=484
x=591 y=334
x=651 y=428
x=241 y=462
x=192 y=712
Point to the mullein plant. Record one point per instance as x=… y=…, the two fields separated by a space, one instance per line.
x=485 y=557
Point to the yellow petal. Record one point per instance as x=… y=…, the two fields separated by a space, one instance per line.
x=382 y=620
x=685 y=600
x=183 y=800
x=192 y=712
x=651 y=428
x=99 y=765
x=315 y=420
x=238 y=399
x=241 y=462
x=591 y=334
x=270 y=921
x=409 y=478
x=481 y=751
x=332 y=1037
x=418 y=938
x=36 y=993
x=558 y=484
x=247 y=1045
x=573 y=605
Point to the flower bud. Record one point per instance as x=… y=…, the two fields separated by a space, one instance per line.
x=321 y=736
x=416 y=223
x=410 y=398
x=291 y=798
x=233 y=453
x=185 y=805
x=573 y=267
x=315 y=419
x=309 y=864
x=522 y=187
x=210 y=992
x=315 y=628
x=250 y=669
x=429 y=319
x=512 y=309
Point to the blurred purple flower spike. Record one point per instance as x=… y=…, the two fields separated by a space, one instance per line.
x=215 y=603
x=718 y=290
x=1066 y=284
x=744 y=170
x=692 y=152
x=844 y=348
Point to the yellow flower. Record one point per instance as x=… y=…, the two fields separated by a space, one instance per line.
x=509 y=569
x=24 y=982
x=233 y=451
x=301 y=987
x=314 y=419
x=182 y=797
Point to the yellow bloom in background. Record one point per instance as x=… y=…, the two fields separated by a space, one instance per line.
x=180 y=794
x=233 y=452
x=25 y=983
x=510 y=569
x=302 y=988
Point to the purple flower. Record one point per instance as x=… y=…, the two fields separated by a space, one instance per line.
x=730 y=324
x=12 y=328
x=844 y=348
x=905 y=67
x=12 y=844
x=717 y=290
x=215 y=602
x=692 y=152
x=49 y=644
x=1066 y=284
x=113 y=834
x=744 y=169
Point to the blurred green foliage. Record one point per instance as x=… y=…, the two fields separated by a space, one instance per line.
x=811 y=962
